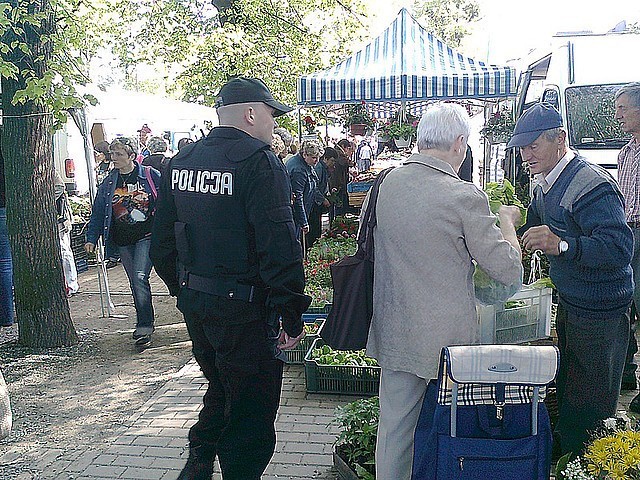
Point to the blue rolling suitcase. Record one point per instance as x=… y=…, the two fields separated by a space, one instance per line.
x=484 y=417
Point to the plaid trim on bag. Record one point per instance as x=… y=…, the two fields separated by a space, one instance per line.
x=480 y=385
x=483 y=394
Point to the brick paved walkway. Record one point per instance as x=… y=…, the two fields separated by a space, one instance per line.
x=154 y=444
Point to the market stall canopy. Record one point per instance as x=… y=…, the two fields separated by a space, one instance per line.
x=405 y=63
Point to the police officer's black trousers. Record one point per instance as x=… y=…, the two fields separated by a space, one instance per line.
x=231 y=346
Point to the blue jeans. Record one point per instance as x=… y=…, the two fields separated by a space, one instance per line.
x=6 y=273
x=630 y=366
x=137 y=264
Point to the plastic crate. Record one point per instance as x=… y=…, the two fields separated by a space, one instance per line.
x=296 y=355
x=339 y=379
x=82 y=265
x=357 y=199
x=314 y=313
x=326 y=309
x=359 y=187
x=517 y=325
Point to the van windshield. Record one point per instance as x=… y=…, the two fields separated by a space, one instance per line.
x=590 y=117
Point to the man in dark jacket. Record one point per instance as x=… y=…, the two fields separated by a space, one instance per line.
x=224 y=223
x=156 y=158
x=304 y=184
x=577 y=219
x=340 y=176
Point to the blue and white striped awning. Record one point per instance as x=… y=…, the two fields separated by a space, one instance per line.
x=405 y=62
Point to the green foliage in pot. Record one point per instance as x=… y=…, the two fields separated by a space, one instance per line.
x=397 y=130
x=357 y=441
x=356 y=114
x=326 y=355
x=499 y=127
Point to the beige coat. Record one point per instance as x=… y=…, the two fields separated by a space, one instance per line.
x=430 y=226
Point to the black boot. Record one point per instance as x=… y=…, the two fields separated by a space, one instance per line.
x=199 y=465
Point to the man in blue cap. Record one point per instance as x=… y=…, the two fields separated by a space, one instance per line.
x=577 y=219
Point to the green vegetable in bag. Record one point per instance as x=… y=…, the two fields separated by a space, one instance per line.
x=503 y=193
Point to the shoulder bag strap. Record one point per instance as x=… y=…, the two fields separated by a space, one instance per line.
x=152 y=185
x=369 y=221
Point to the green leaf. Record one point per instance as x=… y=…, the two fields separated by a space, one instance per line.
x=562 y=465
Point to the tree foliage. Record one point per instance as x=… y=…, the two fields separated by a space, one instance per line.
x=69 y=29
x=200 y=48
x=447 y=19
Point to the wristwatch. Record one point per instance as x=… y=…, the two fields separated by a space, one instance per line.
x=563 y=246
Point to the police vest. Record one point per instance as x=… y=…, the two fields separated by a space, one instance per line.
x=213 y=235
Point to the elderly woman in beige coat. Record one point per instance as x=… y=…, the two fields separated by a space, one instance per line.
x=431 y=225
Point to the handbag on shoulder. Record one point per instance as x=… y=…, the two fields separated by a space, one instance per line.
x=347 y=325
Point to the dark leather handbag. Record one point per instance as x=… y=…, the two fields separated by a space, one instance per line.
x=347 y=325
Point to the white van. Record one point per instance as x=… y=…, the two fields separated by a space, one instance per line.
x=69 y=156
x=580 y=77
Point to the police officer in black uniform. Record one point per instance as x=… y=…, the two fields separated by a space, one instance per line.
x=224 y=242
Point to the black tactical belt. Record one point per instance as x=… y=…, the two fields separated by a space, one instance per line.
x=223 y=288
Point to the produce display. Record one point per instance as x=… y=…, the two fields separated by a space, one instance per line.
x=326 y=355
x=313 y=328
x=368 y=176
x=81 y=208
x=357 y=441
x=335 y=244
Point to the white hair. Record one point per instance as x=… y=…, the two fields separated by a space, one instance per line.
x=441 y=124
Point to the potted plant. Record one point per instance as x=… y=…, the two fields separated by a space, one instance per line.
x=354 y=455
x=499 y=127
x=357 y=118
x=309 y=124
x=401 y=133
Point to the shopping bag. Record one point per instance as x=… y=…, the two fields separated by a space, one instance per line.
x=497 y=428
x=347 y=325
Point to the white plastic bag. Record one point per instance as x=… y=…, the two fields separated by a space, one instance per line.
x=5 y=409
x=491 y=292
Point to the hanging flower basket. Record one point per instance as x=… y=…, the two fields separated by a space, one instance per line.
x=309 y=124
x=403 y=142
x=358 y=128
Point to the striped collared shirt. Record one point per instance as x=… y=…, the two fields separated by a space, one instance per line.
x=629 y=178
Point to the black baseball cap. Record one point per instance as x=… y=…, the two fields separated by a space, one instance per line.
x=245 y=90
x=537 y=119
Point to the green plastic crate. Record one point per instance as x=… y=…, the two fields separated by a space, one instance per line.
x=296 y=355
x=340 y=379
x=320 y=310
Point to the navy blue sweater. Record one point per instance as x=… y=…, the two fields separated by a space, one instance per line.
x=585 y=207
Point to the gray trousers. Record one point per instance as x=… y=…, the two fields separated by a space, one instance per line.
x=401 y=396
x=592 y=356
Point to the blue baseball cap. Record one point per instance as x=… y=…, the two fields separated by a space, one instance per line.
x=537 y=119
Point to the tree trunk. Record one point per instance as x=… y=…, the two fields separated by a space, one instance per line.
x=41 y=304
